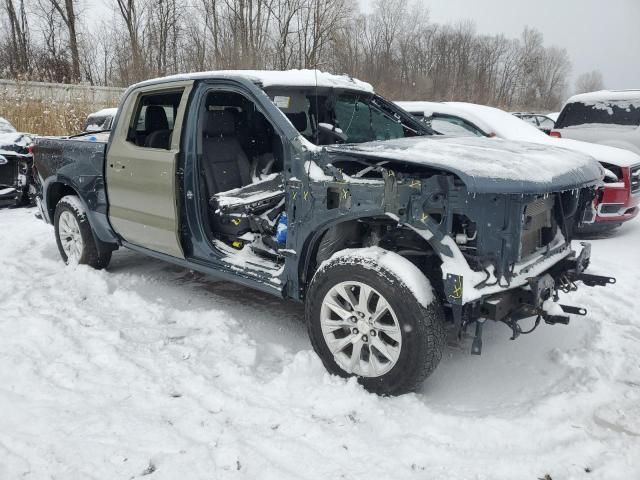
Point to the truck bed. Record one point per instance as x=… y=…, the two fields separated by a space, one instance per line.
x=76 y=163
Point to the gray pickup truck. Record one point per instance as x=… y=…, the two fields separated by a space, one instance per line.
x=312 y=187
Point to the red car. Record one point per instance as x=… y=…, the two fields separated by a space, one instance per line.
x=619 y=200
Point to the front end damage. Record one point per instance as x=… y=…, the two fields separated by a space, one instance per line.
x=503 y=256
x=539 y=297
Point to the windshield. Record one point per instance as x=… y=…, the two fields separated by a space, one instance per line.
x=328 y=117
x=626 y=113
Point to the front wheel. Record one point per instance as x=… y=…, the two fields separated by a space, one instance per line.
x=74 y=237
x=372 y=314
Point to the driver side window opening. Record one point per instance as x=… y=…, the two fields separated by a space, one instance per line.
x=239 y=144
x=153 y=121
x=241 y=165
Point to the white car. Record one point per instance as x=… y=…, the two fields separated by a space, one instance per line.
x=553 y=116
x=100 y=121
x=606 y=117
x=617 y=202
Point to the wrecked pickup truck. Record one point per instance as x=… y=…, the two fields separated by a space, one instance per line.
x=312 y=187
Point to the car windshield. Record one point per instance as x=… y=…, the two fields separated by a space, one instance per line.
x=328 y=117
x=6 y=127
x=605 y=112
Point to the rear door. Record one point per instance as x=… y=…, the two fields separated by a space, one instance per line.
x=141 y=166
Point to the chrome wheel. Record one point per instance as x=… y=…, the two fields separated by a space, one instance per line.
x=361 y=329
x=70 y=236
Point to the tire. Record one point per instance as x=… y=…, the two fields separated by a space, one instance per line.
x=74 y=236
x=414 y=320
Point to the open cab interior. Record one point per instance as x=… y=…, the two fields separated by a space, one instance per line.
x=241 y=184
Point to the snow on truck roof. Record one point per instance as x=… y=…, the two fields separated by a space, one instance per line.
x=275 y=78
x=606 y=96
x=104 y=112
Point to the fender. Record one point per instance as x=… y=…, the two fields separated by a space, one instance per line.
x=56 y=187
x=444 y=247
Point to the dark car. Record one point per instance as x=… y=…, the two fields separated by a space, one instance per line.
x=16 y=162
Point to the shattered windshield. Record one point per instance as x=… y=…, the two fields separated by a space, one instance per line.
x=330 y=117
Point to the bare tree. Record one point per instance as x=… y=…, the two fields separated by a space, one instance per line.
x=130 y=15
x=590 y=82
x=395 y=47
x=67 y=11
x=18 y=58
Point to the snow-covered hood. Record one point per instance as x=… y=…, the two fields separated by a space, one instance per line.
x=488 y=165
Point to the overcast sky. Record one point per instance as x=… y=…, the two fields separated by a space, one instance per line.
x=598 y=34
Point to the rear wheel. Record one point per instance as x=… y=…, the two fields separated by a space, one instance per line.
x=74 y=237
x=366 y=320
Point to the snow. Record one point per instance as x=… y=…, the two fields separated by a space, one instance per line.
x=484 y=159
x=507 y=126
x=146 y=366
x=553 y=116
x=96 y=120
x=617 y=97
x=315 y=173
x=5 y=126
x=276 y=78
x=376 y=258
x=106 y=112
x=14 y=138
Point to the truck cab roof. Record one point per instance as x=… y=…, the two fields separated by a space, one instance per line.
x=272 y=78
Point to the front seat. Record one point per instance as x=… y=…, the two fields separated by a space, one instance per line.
x=157 y=127
x=225 y=164
x=225 y=167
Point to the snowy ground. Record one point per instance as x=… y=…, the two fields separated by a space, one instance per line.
x=148 y=370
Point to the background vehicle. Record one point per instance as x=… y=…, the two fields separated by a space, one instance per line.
x=607 y=117
x=101 y=120
x=390 y=229
x=616 y=202
x=544 y=123
x=553 y=116
x=16 y=178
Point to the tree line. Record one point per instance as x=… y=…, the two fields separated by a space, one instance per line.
x=394 y=46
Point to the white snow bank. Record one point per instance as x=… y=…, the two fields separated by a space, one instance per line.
x=147 y=366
